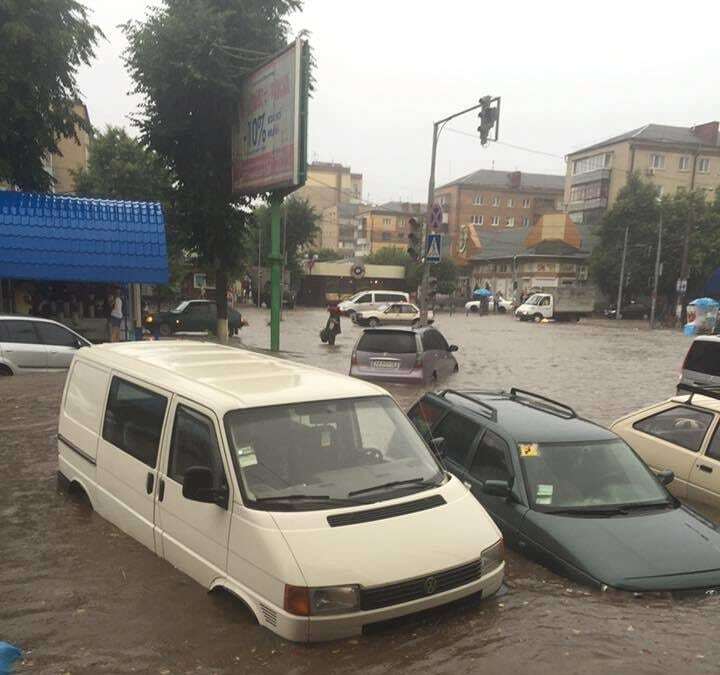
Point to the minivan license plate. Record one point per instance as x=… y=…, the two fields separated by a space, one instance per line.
x=384 y=363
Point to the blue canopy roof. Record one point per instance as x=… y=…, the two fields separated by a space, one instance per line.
x=76 y=239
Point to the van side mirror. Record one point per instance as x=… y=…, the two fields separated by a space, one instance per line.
x=496 y=488
x=666 y=477
x=198 y=487
x=440 y=447
x=452 y=348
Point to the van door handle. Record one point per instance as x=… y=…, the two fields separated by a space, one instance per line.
x=705 y=468
x=161 y=490
x=149 y=482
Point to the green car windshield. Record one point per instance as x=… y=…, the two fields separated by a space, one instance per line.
x=587 y=475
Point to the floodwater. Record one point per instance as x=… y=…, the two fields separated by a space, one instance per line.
x=78 y=596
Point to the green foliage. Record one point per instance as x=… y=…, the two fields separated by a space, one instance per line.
x=445 y=271
x=637 y=207
x=300 y=227
x=326 y=254
x=188 y=60
x=120 y=167
x=42 y=45
x=389 y=255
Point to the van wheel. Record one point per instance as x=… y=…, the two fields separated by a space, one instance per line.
x=538 y=318
x=373 y=322
x=164 y=330
x=5 y=371
x=474 y=309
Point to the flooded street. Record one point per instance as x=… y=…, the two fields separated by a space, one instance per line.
x=78 y=596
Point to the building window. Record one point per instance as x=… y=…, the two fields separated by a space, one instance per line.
x=496 y=201
x=511 y=203
x=511 y=221
x=588 y=191
x=684 y=163
x=442 y=200
x=476 y=220
x=703 y=165
x=526 y=203
x=478 y=200
x=592 y=163
x=657 y=161
x=495 y=220
x=526 y=221
x=386 y=221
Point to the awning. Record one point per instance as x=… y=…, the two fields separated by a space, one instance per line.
x=58 y=238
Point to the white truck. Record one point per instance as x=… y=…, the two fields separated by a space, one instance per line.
x=569 y=304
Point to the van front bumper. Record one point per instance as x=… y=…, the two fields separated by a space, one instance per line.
x=339 y=626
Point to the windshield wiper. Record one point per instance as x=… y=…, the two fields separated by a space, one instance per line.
x=579 y=511
x=647 y=505
x=395 y=483
x=336 y=501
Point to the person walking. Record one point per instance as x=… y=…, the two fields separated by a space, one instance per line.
x=116 y=316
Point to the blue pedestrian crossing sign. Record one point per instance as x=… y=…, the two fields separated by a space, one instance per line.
x=434 y=248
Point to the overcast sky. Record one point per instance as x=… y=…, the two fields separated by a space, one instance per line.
x=569 y=74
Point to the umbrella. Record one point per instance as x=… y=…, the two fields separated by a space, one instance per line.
x=482 y=293
x=705 y=303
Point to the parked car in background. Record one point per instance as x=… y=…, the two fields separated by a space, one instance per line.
x=305 y=493
x=190 y=316
x=397 y=313
x=682 y=435
x=412 y=355
x=633 y=310
x=504 y=305
x=30 y=344
x=565 y=303
x=367 y=300
x=568 y=493
x=701 y=367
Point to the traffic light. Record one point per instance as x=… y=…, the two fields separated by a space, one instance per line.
x=414 y=240
x=432 y=288
x=489 y=116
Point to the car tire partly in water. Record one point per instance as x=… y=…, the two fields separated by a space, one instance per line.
x=373 y=322
x=5 y=371
x=537 y=318
x=164 y=330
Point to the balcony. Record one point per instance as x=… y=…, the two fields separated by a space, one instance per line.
x=588 y=204
x=590 y=177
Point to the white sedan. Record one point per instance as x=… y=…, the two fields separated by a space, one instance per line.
x=397 y=313
x=505 y=305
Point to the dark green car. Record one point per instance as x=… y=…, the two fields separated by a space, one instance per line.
x=190 y=316
x=570 y=494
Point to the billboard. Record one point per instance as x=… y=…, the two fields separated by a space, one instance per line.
x=269 y=139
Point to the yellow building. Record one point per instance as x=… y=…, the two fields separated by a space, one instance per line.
x=329 y=184
x=387 y=225
x=671 y=157
x=72 y=156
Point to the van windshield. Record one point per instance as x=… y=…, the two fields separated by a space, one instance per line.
x=533 y=300
x=321 y=454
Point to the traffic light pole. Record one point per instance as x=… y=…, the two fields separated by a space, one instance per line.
x=437 y=128
x=618 y=310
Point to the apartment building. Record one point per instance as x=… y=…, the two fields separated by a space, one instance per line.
x=493 y=200
x=72 y=156
x=343 y=230
x=330 y=184
x=387 y=225
x=669 y=156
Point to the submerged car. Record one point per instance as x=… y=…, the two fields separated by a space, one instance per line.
x=412 y=355
x=190 y=316
x=681 y=435
x=397 y=313
x=570 y=494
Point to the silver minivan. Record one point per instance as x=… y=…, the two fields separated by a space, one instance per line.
x=701 y=367
x=30 y=344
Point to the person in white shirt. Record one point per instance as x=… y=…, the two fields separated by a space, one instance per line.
x=116 y=315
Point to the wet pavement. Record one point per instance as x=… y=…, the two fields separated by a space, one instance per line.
x=81 y=597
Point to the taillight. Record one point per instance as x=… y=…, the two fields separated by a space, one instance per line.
x=418 y=360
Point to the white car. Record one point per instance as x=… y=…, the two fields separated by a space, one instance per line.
x=399 y=313
x=308 y=494
x=29 y=344
x=367 y=300
x=505 y=305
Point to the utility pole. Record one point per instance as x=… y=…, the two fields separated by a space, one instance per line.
x=657 y=273
x=489 y=119
x=618 y=312
x=276 y=200
x=682 y=281
x=514 y=278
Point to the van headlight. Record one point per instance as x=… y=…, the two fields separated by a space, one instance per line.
x=304 y=601
x=493 y=557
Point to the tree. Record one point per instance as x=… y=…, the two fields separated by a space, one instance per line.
x=299 y=221
x=326 y=254
x=188 y=59
x=42 y=45
x=445 y=271
x=120 y=167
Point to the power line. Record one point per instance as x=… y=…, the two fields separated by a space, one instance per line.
x=509 y=145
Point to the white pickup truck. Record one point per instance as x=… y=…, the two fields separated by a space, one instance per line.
x=569 y=304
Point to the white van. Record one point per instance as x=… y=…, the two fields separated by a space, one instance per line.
x=307 y=494
x=367 y=300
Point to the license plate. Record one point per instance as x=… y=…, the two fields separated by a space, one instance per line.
x=384 y=364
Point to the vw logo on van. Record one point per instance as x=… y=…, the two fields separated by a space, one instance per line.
x=430 y=585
